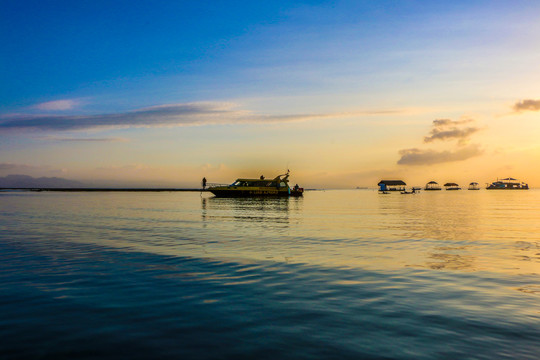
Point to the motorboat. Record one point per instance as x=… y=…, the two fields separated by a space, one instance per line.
x=508 y=184
x=243 y=187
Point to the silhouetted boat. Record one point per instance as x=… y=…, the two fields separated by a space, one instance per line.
x=474 y=186
x=452 y=186
x=278 y=186
x=413 y=191
x=432 y=185
x=508 y=184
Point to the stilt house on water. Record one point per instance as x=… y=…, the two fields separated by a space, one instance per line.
x=432 y=185
x=474 y=186
x=392 y=185
x=452 y=186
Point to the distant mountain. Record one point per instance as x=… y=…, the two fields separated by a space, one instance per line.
x=25 y=181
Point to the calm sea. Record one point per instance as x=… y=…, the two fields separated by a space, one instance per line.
x=334 y=275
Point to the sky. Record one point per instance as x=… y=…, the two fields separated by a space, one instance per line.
x=342 y=93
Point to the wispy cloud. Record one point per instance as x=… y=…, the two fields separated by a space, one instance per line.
x=57 y=105
x=15 y=168
x=416 y=156
x=528 y=104
x=110 y=139
x=188 y=114
x=12 y=166
x=446 y=129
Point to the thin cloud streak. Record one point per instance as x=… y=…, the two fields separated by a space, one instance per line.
x=57 y=105
x=189 y=114
x=114 y=139
x=417 y=156
x=12 y=166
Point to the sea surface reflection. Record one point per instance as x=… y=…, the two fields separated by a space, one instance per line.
x=336 y=274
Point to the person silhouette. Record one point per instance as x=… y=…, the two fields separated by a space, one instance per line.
x=204 y=183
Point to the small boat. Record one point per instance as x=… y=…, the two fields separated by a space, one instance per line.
x=413 y=191
x=474 y=186
x=508 y=184
x=278 y=186
x=452 y=186
x=432 y=186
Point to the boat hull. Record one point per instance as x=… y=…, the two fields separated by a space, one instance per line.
x=255 y=193
x=488 y=188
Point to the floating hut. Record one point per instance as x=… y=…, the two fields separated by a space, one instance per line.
x=392 y=185
x=432 y=185
x=452 y=186
x=474 y=186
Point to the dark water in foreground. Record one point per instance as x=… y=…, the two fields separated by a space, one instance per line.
x=337 y=274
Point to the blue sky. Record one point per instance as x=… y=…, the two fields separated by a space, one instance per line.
x=315 y=85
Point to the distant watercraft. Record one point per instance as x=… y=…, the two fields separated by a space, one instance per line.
x=508 y=184
x=278 y=186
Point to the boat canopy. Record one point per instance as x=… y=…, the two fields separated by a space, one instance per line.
x=451 y=184
x=473 y=183
x=280 y=180
x=392 y=182
x=433 y=183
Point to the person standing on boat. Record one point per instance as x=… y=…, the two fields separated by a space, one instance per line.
x=204 y=183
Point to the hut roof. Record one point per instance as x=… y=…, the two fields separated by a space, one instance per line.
x=391 y=182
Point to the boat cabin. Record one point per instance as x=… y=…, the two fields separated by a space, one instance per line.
x=276 y=183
